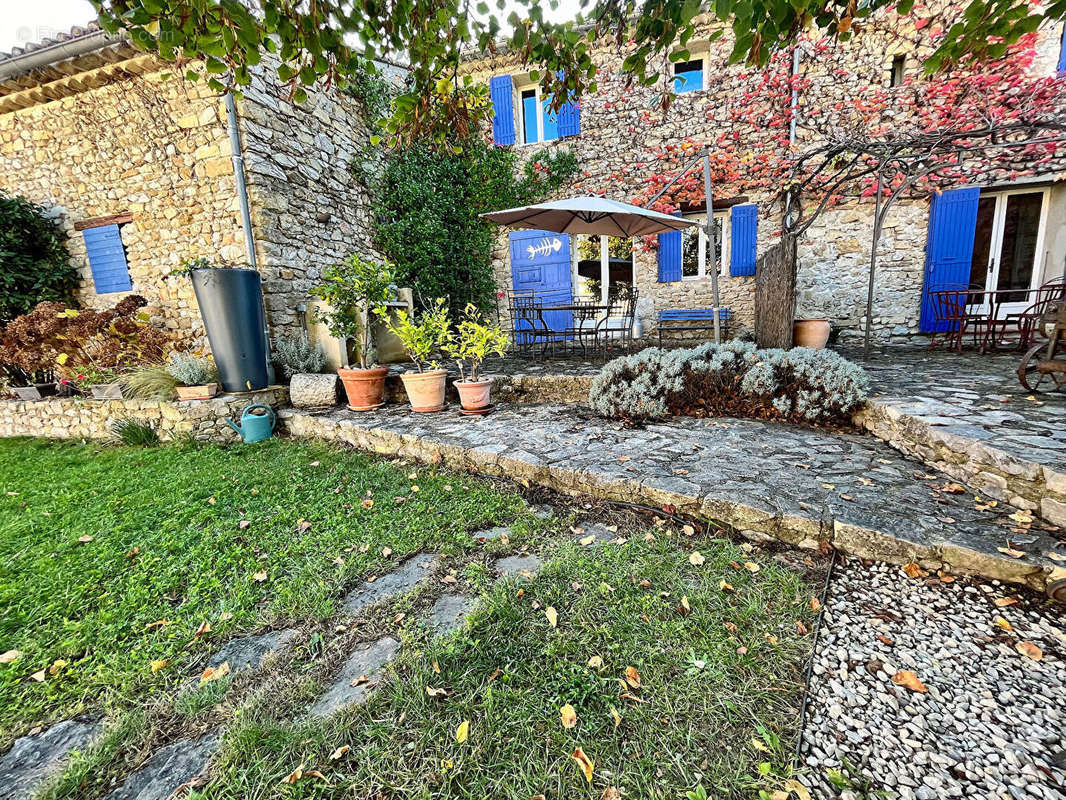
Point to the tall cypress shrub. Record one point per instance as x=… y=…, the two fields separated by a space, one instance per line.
x=34 y=263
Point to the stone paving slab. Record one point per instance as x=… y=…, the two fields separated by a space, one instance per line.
x=523 y=566
x=800 y=485
x=248 y=652
x=170 y=768
x=349 y=686
x=35 y=758
x=449 y=612
x=399 y=581
x=991 y=722
x=490 y=534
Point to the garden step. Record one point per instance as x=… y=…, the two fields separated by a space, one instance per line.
x=170 y=768
x=248 y=652
x=35 y=758
x=400 y=581
x=450 y=611
x=357 y=677
x=489 y=534
x=525 y=566
x=599 y=533
x=804 y=486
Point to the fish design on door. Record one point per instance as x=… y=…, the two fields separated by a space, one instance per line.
x=545 y=248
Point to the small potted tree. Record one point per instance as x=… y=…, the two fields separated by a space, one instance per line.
x=354 y=289
x=423 y=341
x=474 y=340
x=196 y=376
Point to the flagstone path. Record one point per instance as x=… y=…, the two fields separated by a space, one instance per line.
x=170 y=768
x=34 y=758
x=800 y=485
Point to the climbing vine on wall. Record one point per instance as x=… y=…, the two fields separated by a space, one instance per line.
x=427 y=205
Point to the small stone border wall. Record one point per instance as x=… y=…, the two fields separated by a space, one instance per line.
x=987 y=469
x=84 y=418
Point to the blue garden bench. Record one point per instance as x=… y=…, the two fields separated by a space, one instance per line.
x=693 y=319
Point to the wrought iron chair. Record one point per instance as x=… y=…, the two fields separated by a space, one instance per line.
x=619 y=320
x=584 y=326
x=527 y=322
x=951 y=306
x=1024 y=322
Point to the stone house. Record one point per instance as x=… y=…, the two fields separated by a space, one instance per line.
x=1004 y=231
x=139 y=166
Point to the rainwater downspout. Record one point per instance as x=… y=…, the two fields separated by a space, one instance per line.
x=793 y=121
x=238 y=174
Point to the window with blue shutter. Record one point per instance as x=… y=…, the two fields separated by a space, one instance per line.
x=744 y=223
x=688 y=76
x=501 y=92
x=107 y=259
x=1062 y=52
x=669 y=256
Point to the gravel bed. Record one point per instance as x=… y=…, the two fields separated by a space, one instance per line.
x=992 y=723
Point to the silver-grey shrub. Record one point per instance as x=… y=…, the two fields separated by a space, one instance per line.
x=296 y=355
x=731 y=379
x=190 y=370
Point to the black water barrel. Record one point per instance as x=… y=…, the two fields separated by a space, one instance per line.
x=231 y=303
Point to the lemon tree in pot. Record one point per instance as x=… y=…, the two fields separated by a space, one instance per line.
x=474 y=340
x=354 y=289
x=423 y=340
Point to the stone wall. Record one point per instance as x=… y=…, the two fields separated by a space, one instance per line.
x=84 y=418
x=629 y=146
x=308 y=209
x=151 y=145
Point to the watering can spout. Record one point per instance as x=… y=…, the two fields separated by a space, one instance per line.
x=233 y=425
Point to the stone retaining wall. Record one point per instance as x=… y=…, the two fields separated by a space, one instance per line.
x=83 y=418
x=989 y=470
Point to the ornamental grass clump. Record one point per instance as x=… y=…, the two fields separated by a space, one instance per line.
x=731 y=379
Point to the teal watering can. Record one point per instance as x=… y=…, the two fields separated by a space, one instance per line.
x=255 y=427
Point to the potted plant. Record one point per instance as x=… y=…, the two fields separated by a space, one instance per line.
x=474 y=340
x=354 y=289
x=422 y=340
x=813 y=333
x=103 y=383
x=196 y=376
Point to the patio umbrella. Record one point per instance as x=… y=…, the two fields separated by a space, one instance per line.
x=591 y=215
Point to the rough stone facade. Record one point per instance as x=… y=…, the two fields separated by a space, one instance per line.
x=628 y=147
x=82 y=418
x=145 y=143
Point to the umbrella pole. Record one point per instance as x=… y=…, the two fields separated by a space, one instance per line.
x=709 y=228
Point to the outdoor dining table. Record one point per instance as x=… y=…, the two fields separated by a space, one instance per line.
x=541 y=330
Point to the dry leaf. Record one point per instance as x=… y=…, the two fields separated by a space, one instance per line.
x=616 y=716
x=294 y=776
x=912 y=570
x=1029 y=649
x=568 y=716
x=751 y=567
x=159 y=664
x=596 y=662
x=38 y=676
x=909 y=680
x=815 y=604
x=696 y=558
x=57 y=665
x=339 y=752
x=633 y=677
x=436 y=692
x=85 y=539
x=1012 y=552
x=368 y=503
x=1002 y=602
x=725 y=587
x=793 y=786
x=584 y=762
x=260 y=576
x=552 y=615
x=9 y=656
x=1004 y=624
x=244 y=524
x=361 y=680
x=587 y=540
x=214 y=673
x=610 y=793
x=436 y=667
x=1056 y=556
x=386 y=552
x=462 y=733
x=684 y=603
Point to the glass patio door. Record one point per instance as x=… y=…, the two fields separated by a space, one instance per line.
x=1008 y=242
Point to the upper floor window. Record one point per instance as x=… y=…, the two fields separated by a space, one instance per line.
x=539 y=122
x=898 y=71
x=521 y=114
x=688 y=76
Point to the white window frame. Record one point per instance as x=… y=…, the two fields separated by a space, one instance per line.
x=520 y=123
x=702 y=58
x=702 y=274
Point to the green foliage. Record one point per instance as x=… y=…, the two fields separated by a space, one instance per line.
x=427 y=219
x=34 y=263
x=423 y=340
x=352 y=288
x=91 y=603
x=297 y=354
x=134 y=432
x=189 y=369
x=473 y=341
x=731 y=379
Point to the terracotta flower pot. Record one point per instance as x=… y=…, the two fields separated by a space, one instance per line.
x=812 y=333
x=474 y=394
x=204 y=392
x=425 y=390
x=365 y=387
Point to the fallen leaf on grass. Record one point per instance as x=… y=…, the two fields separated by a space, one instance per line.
x=632 y=697
x=596 y=662
x=633 y=677
x=1029 y=649
x=294 y=776
x=436 y=692
x=85 y=539
x=616 y=716
x=587 y=540
x=462 y=733
x=244 y=524
x=815 y=604
x=751 y=567
x=158 y=664
x=159 y=623
x=909 y=680
x=260 y=576
x=684 y=603
x=38 y=676
x=793 y=786
x=696 y=558
x=584 y=762
x=386 y=552
x=9 y=656
x=339 y=752
x=610 y=793
x=552 y=615
x=568 y=716
x=725 y=587
x=214 y=673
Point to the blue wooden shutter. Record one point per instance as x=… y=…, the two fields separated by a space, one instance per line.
x=107 y=259
x=948 y=248
x=569 y=117
x=501 y=92
x=669 y=256
x=1062 y=51
x=744 y=222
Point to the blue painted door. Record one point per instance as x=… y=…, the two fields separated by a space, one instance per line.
x=948 y=248
x=540 y=261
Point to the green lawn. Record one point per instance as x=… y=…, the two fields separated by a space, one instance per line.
x=719 y=665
